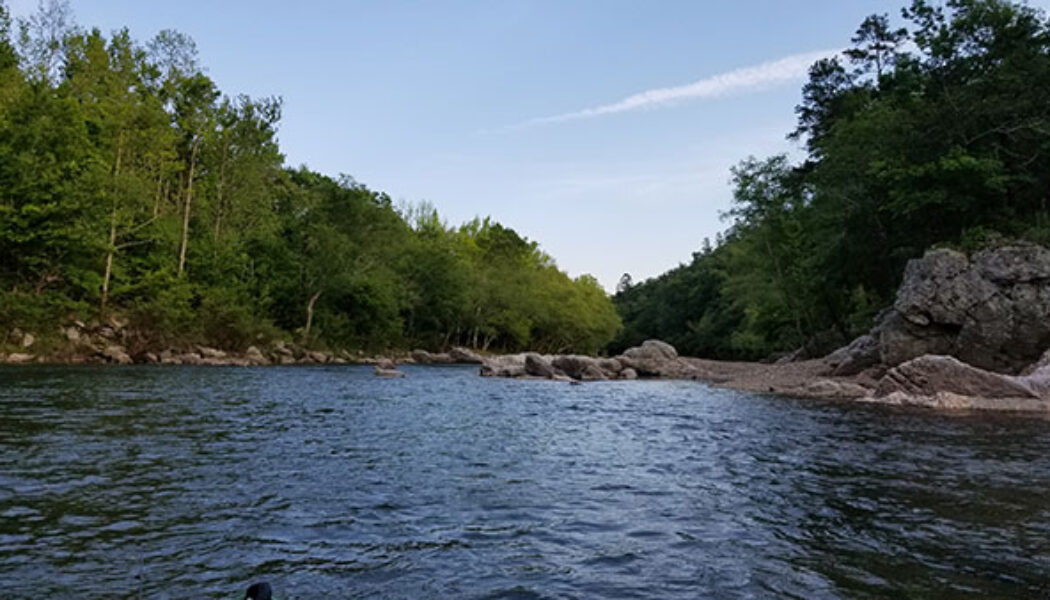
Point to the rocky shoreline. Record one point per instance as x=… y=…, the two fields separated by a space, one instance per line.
x=967 y=333
x=108 y=343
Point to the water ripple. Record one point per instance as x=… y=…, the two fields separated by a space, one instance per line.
x=329 y=482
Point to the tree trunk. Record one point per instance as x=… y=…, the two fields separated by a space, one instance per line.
x=310 y=315
x=112 y=249
x=187 y=205
x=109 y=259
x=219 y=208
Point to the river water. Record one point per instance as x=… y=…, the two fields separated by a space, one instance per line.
x=178 y=482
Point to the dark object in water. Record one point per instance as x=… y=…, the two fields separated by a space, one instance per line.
x=259 y=591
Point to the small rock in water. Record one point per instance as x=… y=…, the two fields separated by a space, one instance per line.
x=391 y=373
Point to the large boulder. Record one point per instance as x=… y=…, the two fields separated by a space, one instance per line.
x=537 y=366
x=116 y=354
x=611 y=366
x=991 y=311
x=652 y=350
x=465 y=356
x=579 y=367
x=255 y=356
x=861 y=354
x=508 y=365
x=931 y=375
x=657 y=359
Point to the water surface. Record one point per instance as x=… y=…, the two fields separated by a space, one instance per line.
x=178 y=482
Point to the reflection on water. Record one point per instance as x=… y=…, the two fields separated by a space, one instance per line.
x=330 y=482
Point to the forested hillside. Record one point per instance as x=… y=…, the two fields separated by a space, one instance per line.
x=131 y=186
x=931 y=131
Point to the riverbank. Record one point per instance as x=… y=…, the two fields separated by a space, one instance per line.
x=113 y=342
x=931 y=381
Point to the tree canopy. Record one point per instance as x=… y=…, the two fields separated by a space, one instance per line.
x=131 y=185
x=932 y=132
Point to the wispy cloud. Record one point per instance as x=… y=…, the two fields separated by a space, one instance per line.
x=766 y=75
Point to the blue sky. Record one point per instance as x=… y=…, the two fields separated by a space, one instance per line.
x=452 y=102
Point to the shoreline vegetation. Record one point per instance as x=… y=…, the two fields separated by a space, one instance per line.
x=136 y=195
x=145 y=217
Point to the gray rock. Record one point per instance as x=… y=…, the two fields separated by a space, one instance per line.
x=611 y=366
x=429 y=358
x=19 y=358
x=1018 y=263
x=930 y=375
x=72 y=334
x=791 y=357
x=386 y=363
x=861 y=354
x=206 y=352
x=465 y=356
x=628 y=373
x=592 y=372
x=256 y=356
x=652 y=350
x=389 y=373
x=508 y=365
x=992 y=312
x=832 y=389
x=28 y=340
x=577 y=366
x=537 y=366
x=116 y=354
x=1043 y=361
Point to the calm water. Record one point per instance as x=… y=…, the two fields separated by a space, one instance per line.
x=329 y=482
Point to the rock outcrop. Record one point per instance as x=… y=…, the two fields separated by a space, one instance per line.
x=537 y=366
x=652 y=359
x=930 y=375
x=991 y=311
x=465 y=356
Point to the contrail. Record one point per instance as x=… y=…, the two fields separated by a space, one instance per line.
x=769 y=74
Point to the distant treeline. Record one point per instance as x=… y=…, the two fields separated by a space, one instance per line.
x=934 y=132
x=130 y=185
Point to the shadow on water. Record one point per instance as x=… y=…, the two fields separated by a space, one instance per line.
x=194 y=481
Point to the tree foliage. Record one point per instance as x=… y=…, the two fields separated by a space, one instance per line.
x=936 y=132
x=130 y=184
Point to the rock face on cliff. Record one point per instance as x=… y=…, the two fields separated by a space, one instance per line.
x=991 y=311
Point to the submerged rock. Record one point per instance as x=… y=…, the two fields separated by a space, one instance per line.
x=389 y=373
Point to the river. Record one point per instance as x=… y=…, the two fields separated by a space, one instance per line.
x=178 y=482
